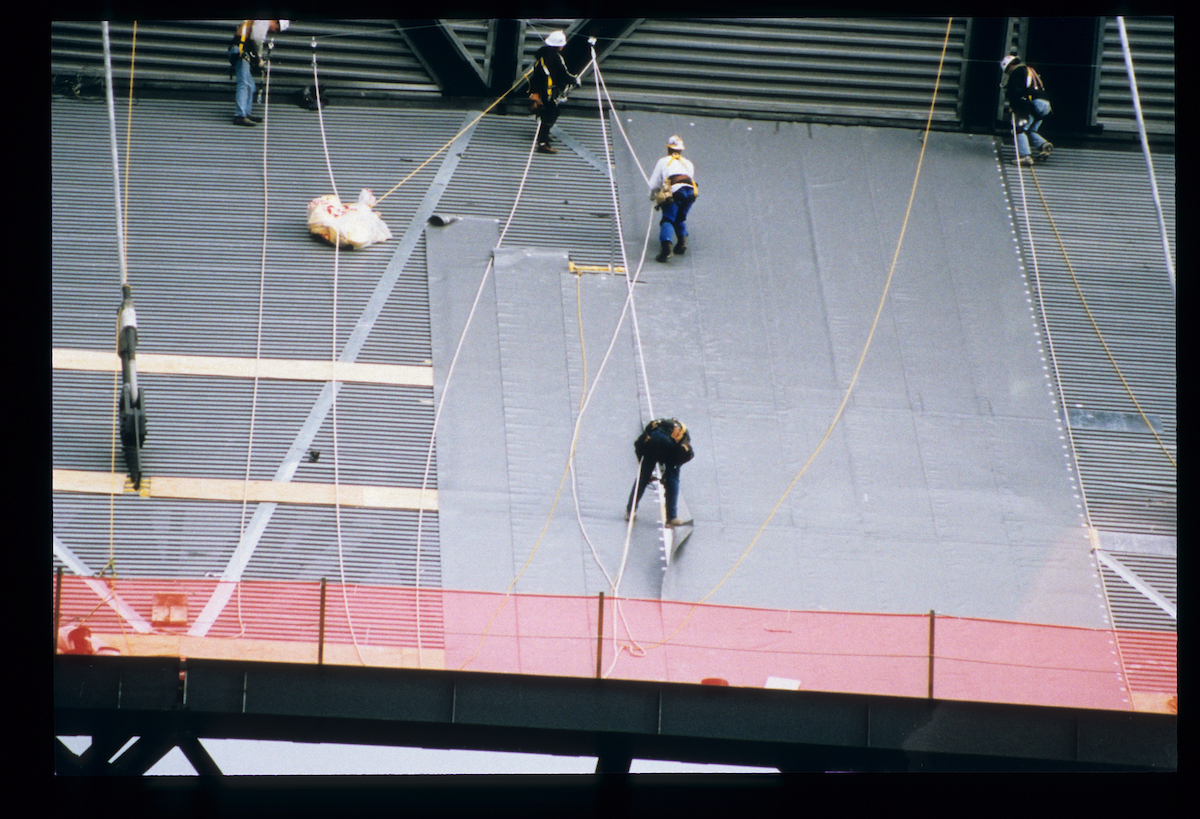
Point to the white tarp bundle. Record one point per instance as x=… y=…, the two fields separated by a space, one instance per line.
x=354 y=224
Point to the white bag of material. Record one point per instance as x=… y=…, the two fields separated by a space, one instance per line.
x=355 y=224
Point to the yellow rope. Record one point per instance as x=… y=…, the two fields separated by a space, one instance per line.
x=1096 y=327
x=450 y=142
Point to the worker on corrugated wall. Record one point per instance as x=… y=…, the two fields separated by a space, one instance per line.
x=247 y=52
x=673 y=190
x=548 y=84
x=1026 y=97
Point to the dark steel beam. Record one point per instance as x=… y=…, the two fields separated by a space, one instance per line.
x=504 y=54
x=444 y=57
x=613 y=720
x=986 y=45
x=1066 y=52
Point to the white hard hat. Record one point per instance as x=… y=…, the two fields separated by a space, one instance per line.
x=1007 y=61
x=283 y=24
x=556 y=39
x=675 y=143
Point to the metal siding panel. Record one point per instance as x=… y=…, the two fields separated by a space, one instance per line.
x=870 y=69
x=1101 y=206
x=195 y=217
x=360 y=58
x=1152 y=47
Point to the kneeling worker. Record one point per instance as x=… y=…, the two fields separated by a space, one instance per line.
x=664 y=441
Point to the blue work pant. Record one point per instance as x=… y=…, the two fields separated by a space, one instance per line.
x=244 y=96
x=674 y=214
x=1029 y=135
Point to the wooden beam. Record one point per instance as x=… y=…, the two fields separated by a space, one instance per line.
x=233 y=367
x=219 y=489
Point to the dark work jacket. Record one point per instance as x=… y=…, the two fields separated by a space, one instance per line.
x=550 y=76
x=656 y=444
x=1021 y=87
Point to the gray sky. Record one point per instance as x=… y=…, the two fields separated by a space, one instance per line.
x=247 y=757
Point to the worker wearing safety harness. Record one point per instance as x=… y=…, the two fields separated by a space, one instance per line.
x=548 y=86
x=1026 y=98
x=249 y=50
x=664 y=441
x=673 y=190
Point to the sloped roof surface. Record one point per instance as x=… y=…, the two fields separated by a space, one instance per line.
x=946 y=483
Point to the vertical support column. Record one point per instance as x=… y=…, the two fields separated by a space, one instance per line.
x=1065 y=51
x=58 y=605
x=932 y=617
x=599 y=636
x=986 y=43
x=321 y=628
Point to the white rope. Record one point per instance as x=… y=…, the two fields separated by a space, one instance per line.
x=1037 y=277
x=321 y=118
x=262 y=280
x=112 y=133
x=1137 y=110
x=437 y=415
x=337 y=486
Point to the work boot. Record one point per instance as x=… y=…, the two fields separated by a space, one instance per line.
x=681 y=246
x=546 y=148
x=1044 y=151
x=673 y=522
x=665 y=253
x=1025 y=160
x=243 y=121
x=628 y=515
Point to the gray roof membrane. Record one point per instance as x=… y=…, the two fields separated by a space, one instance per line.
x=945 y=484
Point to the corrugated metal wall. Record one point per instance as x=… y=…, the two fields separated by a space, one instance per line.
x=1152 y=47
x=1101 y=205
x=195 y=226
x=855 y=68
x=851 y=68
x=357 y=58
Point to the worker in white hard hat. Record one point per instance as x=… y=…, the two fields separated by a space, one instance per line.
x=673 y=189
x=1025 y=95
x=249 y=49
x=548 y=85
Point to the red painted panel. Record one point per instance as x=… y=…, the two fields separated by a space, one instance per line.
x=881 y=654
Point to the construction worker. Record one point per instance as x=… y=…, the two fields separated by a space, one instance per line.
x=664 y=441
x=1025 y=95
x=249 y=50
x=548 y=85
x=675 y=176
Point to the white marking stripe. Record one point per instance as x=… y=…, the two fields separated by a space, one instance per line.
x=232 y=367
x=163 y=486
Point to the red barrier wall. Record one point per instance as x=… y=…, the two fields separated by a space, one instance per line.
x=881 y=654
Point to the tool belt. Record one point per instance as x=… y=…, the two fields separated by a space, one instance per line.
x=676 y=178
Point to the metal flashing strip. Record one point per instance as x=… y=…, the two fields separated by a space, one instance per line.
x=1110 y=421
x=1135 y=581
x=354 y=344
x=239 y=367
x=163 y=486
x=578 y=147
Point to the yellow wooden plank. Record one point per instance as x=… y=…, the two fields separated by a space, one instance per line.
x=280 y=651
x=234 y=367
x=220 y=489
